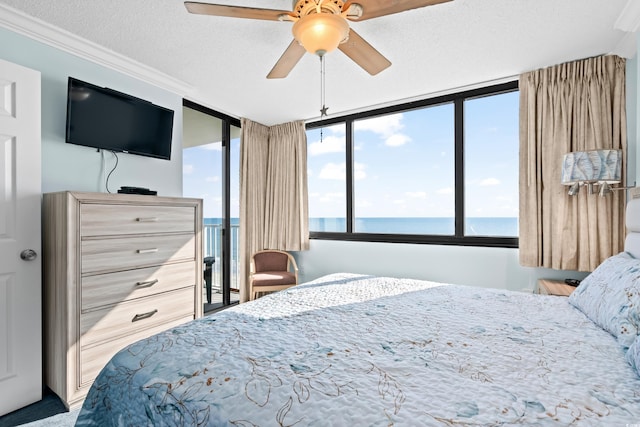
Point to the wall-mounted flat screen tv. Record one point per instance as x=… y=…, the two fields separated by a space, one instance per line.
x=105 y=119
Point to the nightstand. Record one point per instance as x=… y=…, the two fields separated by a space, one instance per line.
x=554 y=287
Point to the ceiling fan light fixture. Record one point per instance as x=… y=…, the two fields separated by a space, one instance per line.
x=320 y=33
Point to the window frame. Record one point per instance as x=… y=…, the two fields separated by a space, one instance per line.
x=458 y=238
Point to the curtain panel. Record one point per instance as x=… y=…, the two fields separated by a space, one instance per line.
x=576 y=106
x=286 y=205
x=273 y=192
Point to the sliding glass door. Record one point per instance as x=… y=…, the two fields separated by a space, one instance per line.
x=211 y=158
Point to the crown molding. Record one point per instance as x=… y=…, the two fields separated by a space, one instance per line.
x=424 y=96
x=627 y=46
x=629 y=19
x=41 y=31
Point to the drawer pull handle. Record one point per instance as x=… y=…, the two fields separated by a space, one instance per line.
x=147 y=284
x=144 y=315
x=147 y=251
x=148 y=219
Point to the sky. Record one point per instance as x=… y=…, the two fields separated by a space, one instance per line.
x=403 y=164
x=202 y=177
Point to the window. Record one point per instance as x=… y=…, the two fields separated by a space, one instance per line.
x=404 y=172
x=326 y=175
x=441 y=171
x=491 y=165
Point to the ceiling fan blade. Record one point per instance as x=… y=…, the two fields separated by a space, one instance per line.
x=363 y=54
x=375 y=8
x=287 y=61
x=235 y=11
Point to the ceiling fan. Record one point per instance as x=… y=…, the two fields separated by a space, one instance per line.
x=321 y=26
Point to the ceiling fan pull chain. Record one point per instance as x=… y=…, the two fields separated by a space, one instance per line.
x=323 y=109
x=322 y=85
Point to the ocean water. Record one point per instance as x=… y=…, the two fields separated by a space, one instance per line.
x=218 y=221
x=496 y=227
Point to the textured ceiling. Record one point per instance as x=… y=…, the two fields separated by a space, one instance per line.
x=433 y=50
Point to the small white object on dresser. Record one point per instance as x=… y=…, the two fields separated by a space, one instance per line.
x=117 y=268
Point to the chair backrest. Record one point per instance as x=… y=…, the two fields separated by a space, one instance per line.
x=271 y=261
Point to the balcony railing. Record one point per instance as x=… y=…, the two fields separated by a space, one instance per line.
x=213 y=248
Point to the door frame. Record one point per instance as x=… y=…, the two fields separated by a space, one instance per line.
x=227 y=122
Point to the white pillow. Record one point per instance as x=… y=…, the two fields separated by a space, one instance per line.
x=610 y=297
x=633 y=355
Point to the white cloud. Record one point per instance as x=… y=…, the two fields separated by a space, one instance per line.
x=397 y=140
x=187 y=169
x=333 y=171
x=358 y=171
x=446 y=190
x=214 y=146
x=337 y=171
x=212 y=179
x=331 y=197
x=386 y=127
x=383 y=125
x=489 y=181
x=416 y=194
x=361 y=204
x=329 y=144
x=337 y=129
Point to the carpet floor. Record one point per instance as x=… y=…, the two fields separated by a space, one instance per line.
x=48 y=412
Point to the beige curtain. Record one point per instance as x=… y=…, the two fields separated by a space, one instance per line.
x=273 y=191
x=577 y=106
x=286 y=207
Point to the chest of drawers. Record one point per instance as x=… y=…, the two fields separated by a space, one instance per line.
x=117 y=268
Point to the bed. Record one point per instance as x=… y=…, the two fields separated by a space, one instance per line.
x=357 y=350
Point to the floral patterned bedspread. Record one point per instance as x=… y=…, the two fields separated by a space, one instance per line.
x=352 y=350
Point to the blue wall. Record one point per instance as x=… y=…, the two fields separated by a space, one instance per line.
x=70 y=167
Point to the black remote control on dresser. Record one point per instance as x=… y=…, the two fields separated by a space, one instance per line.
x=572 y=282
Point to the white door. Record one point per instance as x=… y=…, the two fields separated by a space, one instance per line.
x=20 y=201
